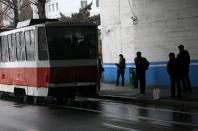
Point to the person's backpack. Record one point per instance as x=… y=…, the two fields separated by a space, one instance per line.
x=145 y=63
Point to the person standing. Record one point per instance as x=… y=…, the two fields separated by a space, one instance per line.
x=121 y=65
x=142 y=65
x=100 y=71
x=173 y=71
x=100 y=67
x=184 y=63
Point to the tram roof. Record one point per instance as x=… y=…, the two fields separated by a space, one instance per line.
x=48 y=24
x=70 y=24
x=51 y=22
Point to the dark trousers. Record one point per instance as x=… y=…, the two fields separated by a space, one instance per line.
x=175 y=80
x=140 y=76
x=186 y=82
x=120 y=72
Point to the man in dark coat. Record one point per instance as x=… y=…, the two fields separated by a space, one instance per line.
x=121 y=65
x=184 y=63
x=100 y=67
x=100 y=70
x=142 y=65
x=173 y=71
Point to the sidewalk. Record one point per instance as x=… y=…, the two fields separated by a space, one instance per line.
x=127 y=93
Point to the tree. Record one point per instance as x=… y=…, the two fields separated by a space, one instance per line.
x=82 y=16
x=11 y=9
x=8 y=5
x=26 y=12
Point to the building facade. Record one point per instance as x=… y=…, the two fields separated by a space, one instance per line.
x=67 y=7
x=154 y=27
x=53 y=9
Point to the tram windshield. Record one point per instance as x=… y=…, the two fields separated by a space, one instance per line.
x=71 y=42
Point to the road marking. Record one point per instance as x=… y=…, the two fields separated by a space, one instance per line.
x=75 y=108
x=118 y=127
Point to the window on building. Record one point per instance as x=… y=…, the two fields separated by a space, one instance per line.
x=52 y=7
x=49 y=8
x=83 y=3
x=57 y=6
x=97 y=3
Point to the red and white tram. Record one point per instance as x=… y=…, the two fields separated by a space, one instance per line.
x=49 y=59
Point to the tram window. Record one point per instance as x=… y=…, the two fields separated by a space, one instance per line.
x=5 y=53
x=17 y=45
x=20 y=46
x=12 y=47
x=42 y=45
x=71 y=43
x=30 y=45
x=0 y=48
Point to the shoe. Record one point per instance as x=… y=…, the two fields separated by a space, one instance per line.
x=122 y=84
x=184 y=90
x=117 y=84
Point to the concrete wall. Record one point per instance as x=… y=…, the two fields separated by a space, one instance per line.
x=162 y=26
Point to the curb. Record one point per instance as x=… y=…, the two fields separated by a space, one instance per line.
x=159 y=102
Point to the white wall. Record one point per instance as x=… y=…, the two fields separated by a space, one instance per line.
x=162 y=26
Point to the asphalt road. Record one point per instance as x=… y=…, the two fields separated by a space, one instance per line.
x=94 y=115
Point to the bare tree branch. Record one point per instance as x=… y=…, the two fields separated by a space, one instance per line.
x=7 y=3
x=34 y=2
x=25 y=5
x=12 y=8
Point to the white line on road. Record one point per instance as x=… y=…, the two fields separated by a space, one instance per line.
x=75 y=108
x=118 y=127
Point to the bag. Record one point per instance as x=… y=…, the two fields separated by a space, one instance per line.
x=145 y=63
x=156 y=93
x=101 y=69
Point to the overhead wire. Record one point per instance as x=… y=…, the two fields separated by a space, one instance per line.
x=120 y=22
x=132 y=11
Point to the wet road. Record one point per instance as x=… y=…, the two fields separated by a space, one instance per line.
x=94 y=115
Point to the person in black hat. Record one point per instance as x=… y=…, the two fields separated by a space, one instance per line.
x=184 y=63
x=121 y=65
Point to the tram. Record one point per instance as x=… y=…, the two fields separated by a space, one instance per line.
x=49 y=59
